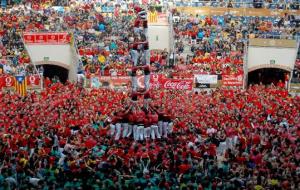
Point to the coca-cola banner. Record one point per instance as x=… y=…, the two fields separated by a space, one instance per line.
x=177 y=84
x=57 y=38
x=232 y=80
x=157 y=81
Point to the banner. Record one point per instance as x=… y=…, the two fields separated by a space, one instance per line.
x=232 y=80
x=33 y=81
x=108 y=81
x=201 y=85
x=21 y=85
x=7 y=81
x=156 y=81
x=177 y=84
x=206 y=79
x=47 y=38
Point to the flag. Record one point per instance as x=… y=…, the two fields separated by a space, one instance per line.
x=153 y=17
x=21 y=85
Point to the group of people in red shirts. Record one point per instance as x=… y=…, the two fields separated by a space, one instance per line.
x=141 y=123
x=225 y=138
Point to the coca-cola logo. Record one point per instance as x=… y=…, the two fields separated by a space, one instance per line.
x=178 y=85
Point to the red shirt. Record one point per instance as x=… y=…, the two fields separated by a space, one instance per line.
x=183 y=168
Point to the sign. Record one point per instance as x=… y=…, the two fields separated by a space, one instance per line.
x=177 y=84
x=232 y=80
x=201 y=85
x=206 y=79
x=157 y=81
x=109 y=81
x=33 y=81
x=7 y=82
x=46 y=58
x=56 y=38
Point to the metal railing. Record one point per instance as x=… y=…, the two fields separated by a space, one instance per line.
x=238 y=4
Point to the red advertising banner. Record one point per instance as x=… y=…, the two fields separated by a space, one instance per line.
x=64 y=38
x=33 y=81
x=52 y=38
x=41 y=38
x=177 y=84
x=157 y=81
x=7 y=81
x=29 y=39
x=47 y=38
x=232 y=80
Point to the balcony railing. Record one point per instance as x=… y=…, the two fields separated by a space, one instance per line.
x=239 y=4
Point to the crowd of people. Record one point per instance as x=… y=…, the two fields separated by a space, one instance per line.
x=216 y=44
x=103 y=41
x=226 y=139
x=69 y=137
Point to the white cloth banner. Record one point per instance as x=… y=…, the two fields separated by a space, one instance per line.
x=206 y=79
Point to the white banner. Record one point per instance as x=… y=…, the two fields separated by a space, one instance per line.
x=206 y=79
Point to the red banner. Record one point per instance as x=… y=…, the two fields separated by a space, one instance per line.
x=232 y=80
x=41 y=38
x=157 y=81
x=52 y=38
x=29 y=39
x=64 y=38
x=177 y=84
x=33 y=81
x=47 y=38
x=7 y=81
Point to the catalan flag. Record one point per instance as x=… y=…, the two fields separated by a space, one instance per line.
x=152 y=17
x=21 y=85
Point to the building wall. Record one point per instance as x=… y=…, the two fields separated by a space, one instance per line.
x=264 y=57
x=62 y=55
x=159 y=37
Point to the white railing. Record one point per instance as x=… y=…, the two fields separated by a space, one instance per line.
x=238 y=4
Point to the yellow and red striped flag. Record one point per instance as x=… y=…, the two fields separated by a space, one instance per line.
x=21 y=85
x=153 y=17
